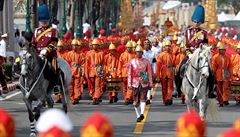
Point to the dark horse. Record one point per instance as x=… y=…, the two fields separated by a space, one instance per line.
x=36 y=87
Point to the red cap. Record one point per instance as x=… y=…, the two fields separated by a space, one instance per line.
x=114 y=30
x=68 y=35
x=230 y=133
x=54 y=132
x=190 y=124
x=97 y=125
x=7 y=124
x=102 y=31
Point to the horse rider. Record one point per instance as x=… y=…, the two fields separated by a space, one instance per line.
x=110 y=69
x=45 y=40
x=222 y=68
x=149 y=55
x=124 y=59
x=236 y=69
x=165 y=72
x=140 y=81
x=195 y=36
x=76 y=60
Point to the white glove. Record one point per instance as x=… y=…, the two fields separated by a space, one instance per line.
x=43 y=53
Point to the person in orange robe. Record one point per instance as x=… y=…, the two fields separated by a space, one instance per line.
x=235 y=60
x=76 y=60
x=165 y=66
x=179 y=58
x=110 y=69
x=85 y=68
x=222 y=68
x=94 y=64
x=175 y=45
x=124 y=59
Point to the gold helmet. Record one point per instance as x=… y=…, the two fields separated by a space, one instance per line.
x=75 y=42
x=59 y=44
x=238 y=46
x=220 y=45
x=139 y=42
x=139 y=48
x=182 y=45
x=134 y=44
x=155 y=39
x=111 y=46
x=129 y=44
x=175 y=37
x=95 y=42
x=167 y=43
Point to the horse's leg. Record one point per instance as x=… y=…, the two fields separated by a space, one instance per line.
x=63 y=93
x=30 y=117
x=50 y=101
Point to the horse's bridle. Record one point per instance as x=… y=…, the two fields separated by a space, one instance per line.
x=23 y=61
x=200 y=67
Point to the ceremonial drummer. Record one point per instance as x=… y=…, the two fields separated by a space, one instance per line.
x=139 y=80
x=235 y=60
x=124 y=59
x=76 y=61
x=165 y=72
x=149 y=55
x=110 y=70
x=222 y=68
x=94 y=64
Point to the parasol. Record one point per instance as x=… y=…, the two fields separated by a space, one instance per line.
x=171 y=4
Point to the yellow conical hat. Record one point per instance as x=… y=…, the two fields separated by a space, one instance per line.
x=220 y=45
x=112 y=46
x=129 y=44
x=139 y=48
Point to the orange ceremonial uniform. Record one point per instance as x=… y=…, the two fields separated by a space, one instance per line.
x=76 y=61
x=222 y=69
x=165 y=72
x=235 y=60
x=110 y=69
x=124 y=60
x=94 y=71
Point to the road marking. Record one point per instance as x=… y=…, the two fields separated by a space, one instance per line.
x=10 y=96
x=139 y=126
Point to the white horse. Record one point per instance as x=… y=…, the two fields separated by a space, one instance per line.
x=194 y=83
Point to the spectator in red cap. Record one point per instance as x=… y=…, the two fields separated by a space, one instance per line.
x=190 y=124
x=7 y=124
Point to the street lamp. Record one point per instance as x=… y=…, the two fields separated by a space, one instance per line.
x=64 y=27
x=28 y=17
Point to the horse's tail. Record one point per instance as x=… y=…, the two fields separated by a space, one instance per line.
x=66 y=77
x=212 y=111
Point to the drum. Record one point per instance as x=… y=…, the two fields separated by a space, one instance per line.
x=114 y=84
x=235 y=88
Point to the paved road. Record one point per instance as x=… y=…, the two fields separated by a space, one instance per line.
x=159 y=123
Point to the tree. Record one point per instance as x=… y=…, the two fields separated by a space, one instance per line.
x=235 y=4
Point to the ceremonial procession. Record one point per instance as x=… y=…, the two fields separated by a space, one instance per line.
x=119 y=68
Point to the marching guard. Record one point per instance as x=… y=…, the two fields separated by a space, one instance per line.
x=94 y=64
x=236 y=69
x=149 y=55
x=110 y=70
x=165 y=72
x=76 y=60
x=124 y=59
x=222 y=68
x=140 y=81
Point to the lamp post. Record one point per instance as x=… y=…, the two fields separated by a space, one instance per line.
x=28 y=17
x=64 y=27
x=79 y=21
